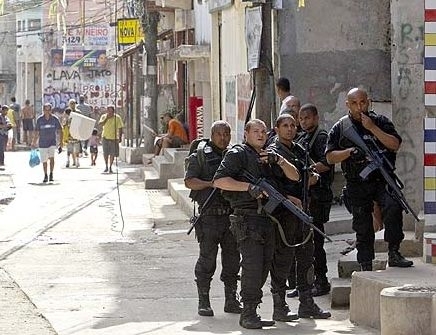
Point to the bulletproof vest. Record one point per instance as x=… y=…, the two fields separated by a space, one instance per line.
x=209 y=159
x=251 y=164
x=294 y=155
x=352 y=168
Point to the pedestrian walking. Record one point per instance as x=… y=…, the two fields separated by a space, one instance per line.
x=73 y=145
x=94 y=142
x=213 y=229
x=5 y=126
x=27 y=115
x=86 y=110
x=112 y=136
x=296 y=233
x=378 y=129
x=48 y=129
x=249 y=222
x=17 y=119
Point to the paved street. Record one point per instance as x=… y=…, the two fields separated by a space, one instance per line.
x=90 y=255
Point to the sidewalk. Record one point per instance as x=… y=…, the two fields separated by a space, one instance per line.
x=90 y=268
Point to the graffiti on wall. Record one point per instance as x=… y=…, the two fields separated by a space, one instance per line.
x=97 y=87
x=409 y=158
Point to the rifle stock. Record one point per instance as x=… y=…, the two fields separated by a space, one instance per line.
x=377 y=163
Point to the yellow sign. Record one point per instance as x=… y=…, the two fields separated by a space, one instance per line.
x=129 y=31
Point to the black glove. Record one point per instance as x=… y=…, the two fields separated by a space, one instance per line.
x=357 y=155
x=272 y=157
x=255 y=191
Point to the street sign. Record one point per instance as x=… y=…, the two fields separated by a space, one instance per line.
x=129 y=31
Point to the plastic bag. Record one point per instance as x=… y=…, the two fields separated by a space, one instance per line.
x=34 y=158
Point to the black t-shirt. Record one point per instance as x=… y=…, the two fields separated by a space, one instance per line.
x=204 y=168
x=336 y=141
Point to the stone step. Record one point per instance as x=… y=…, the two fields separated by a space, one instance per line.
x=152 y=179
x=347 y=264
x=340 y=292
x=180 y=194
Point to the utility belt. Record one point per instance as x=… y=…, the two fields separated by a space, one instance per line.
x=216 y=211
x=248 y=211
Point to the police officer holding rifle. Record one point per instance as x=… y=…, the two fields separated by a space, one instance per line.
x=366 y=184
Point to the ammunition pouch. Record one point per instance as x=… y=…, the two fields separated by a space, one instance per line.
x=238 y=227
x=216 y=211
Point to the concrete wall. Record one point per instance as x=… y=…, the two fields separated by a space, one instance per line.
x=327 y=47
x=374 y=44
x=407 y=96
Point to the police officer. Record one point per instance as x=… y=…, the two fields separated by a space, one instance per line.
x=362 y=193
x=213 y=228
x=320 y=194
x=295 y=233
x=249 y=223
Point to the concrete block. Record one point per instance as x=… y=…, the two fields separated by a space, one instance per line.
x=429 y=248
x=408 y=310
x=122 y=153
x=340 y=292
x=152 y=179
x=133 y=155
x=348 y=264
x=365 y=299
x=366 y=288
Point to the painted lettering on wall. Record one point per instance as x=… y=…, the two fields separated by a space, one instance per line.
x=408 y=159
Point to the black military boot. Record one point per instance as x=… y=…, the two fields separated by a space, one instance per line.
x=308 y=308
x=231 y=304
x=281 y=309
x=321 y=286
x=204 y=308
x=249 y=319
x=395 y=259
x=366 y=266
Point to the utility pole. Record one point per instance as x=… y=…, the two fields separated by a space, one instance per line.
x=264 y=76
x=149 y=22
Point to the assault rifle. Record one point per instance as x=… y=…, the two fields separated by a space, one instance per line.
x=195 y=218
x=275 y=198
x=378 y=162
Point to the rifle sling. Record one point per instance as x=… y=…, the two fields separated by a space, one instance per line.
x=283 y=237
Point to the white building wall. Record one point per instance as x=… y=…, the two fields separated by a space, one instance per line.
x=235 y=78
x=203 y=23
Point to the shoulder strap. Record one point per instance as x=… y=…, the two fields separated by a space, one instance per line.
x=200 y=152
x=312 y=140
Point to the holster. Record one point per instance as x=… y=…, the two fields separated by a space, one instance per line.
x=238 y=227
